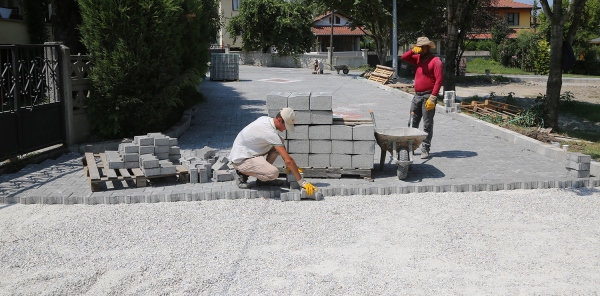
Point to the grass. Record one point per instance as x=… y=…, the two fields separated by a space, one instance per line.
x=585 y=110
x=482 y=79
x=580 y=76
x=480 y=65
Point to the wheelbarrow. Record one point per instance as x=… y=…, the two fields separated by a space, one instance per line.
x=401 y=143
x=343 y=68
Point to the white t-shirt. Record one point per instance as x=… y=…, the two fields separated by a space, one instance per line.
x=255 y=139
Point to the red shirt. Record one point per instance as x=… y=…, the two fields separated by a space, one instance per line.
x=429 y=75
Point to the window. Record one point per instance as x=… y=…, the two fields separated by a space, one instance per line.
x=15 y=7
x=337 y=20
x=235 y=4
x=512 y=18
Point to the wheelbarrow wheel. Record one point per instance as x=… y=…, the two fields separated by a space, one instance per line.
x=403 y=168
x=346 y=71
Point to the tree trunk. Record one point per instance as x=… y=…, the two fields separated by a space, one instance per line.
x=554 y=84
x=451 y=51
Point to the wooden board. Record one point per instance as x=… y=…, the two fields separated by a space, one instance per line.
x=334 y=173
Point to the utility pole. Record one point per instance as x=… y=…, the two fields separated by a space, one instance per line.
x=331 y=42
x=395 y=42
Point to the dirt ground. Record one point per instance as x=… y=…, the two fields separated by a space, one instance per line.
x=586 y=92
x=525 y=92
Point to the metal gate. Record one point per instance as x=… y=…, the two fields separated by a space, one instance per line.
x=31 y=106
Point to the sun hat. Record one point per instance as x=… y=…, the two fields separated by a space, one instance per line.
x=422 y=41
x=289 y=118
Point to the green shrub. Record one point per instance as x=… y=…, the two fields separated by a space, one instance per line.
x=542 y=58
x=144 y=53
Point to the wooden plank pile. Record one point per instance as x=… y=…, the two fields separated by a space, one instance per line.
x=382 y=74
x=495 y=109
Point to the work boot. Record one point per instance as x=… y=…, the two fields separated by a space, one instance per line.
x=275 y=182
x=424 y=154
x=241 y=180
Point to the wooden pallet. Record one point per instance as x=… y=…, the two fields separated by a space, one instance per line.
x=97 y=172
x=407 y=88
x=382 y=74
x=351 y=122
x=492 y=108
x=333 y=173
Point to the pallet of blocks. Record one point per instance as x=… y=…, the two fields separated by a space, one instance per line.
x=151 y=156
x=321 y=146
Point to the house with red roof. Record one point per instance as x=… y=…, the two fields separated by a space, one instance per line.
x=516 y=14
x=344 y=38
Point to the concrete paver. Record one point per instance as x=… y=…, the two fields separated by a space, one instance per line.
x=463 y=158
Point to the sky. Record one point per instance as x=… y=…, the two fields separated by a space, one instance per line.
x=531 y=1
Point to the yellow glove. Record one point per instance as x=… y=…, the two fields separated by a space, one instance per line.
x=287 y=170
x=430 y=103
x=310 y=188
x=417 y=49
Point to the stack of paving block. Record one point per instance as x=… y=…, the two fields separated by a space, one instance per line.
x=578 y=165
x=153 y=153
x=317 y=142
x=450 y=102
x=205 y=163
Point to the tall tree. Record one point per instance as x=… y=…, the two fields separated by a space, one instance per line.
x=375 y=17
x=280 y=23
x=461 y=15
x=66 y=19
x=557 y=18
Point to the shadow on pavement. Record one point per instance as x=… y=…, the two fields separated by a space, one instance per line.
x=454 y=154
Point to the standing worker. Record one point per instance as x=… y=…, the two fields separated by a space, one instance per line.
x=257 y=146
x=428 y=81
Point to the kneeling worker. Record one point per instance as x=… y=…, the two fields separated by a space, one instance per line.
x=257 y=146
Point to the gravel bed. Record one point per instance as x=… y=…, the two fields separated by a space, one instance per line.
x=506 y=242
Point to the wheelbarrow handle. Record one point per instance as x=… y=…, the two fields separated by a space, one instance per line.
x=373 y=119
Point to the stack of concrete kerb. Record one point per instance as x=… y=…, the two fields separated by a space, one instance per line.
x=224 y=66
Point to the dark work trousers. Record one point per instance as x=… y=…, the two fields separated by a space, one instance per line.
x=418 y=107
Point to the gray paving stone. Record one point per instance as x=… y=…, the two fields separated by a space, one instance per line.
x=161 y=149
x=342 y=147
x=299 y=146
x=321 y=117
x=143 y=140
x=299 y=101
x=573 y=164
x=318 y=160
x=363 y=147
x=362 y=161
x=363 y=132
x=303 y=117
x=161 y=141
x=578 y=173
x=340 y=160
x=319 y=132
x=320 y=147
x=146 y=150
x=321 y=101
x=277 y=99
x=301 y=159
x=579 y=157
x=300 y=133
x=341 y=132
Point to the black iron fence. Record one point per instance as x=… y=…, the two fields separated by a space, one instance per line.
x=31 y=106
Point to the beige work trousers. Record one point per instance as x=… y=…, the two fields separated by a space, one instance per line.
x=260 y=167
